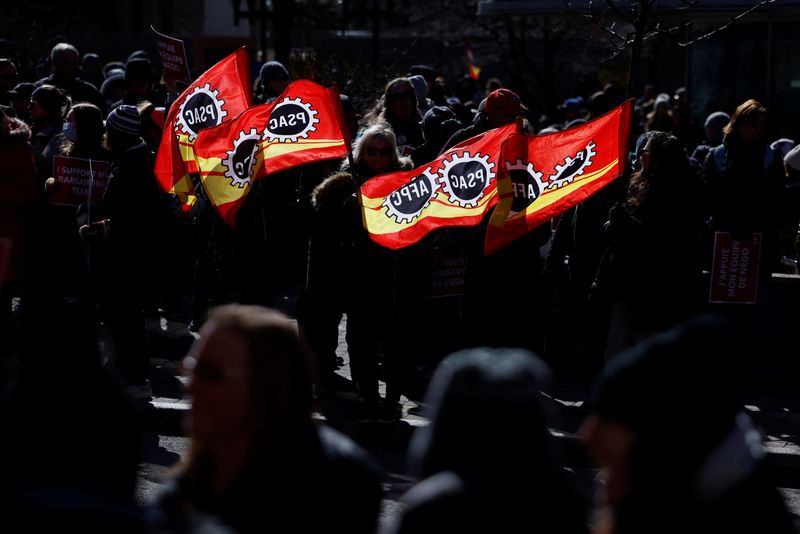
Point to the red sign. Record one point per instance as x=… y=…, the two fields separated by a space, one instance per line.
x=172 y=52
x=734 y=274
x=76 y=179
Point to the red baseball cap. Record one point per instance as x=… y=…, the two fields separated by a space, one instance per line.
x=503 y=102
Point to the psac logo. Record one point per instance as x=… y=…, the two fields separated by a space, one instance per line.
x=202 y=109
x=527 y=184
x=290 y=120
x=463 y=179
x=240 y=162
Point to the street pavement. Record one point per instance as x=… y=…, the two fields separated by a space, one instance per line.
x=777 y=413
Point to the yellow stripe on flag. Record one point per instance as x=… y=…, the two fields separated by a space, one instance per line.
x=377 y=222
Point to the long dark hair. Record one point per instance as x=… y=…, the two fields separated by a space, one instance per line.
x=661 y=184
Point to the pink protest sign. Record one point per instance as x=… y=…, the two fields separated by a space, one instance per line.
x=734 y=274
x=172 y=52
x=76 y=178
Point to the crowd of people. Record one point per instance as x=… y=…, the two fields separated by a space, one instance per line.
x=605 y=290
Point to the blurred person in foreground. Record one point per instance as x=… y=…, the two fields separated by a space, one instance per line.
x=487 y=458
x=677 y=451
x=257 y=460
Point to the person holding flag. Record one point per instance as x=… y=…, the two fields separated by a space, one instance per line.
x=360 y=274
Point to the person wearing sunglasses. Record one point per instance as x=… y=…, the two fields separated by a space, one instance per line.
x=398 y=107
x=257 y=461
x=744 y=179
x=357 y=275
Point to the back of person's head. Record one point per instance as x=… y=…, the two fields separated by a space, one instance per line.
x=679 y=393
x=89 y=122
x=503 y=106
x=53 y=100
x=437 y=122
x=713 y=125
x=487 y=416
x=123 y=127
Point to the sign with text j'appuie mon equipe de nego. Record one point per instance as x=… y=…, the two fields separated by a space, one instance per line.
x=734 y=274
x=173 y=58
x=75 y=177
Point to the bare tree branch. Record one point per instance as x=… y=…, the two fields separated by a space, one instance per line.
x=730 y=22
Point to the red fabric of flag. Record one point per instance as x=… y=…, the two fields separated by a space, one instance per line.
x=218 y=95
x=546 y=175
x=301 y=126
x=456 y=189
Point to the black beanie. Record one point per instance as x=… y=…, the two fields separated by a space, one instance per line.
x=51 y=98
x=682 y=386
x=137 y=69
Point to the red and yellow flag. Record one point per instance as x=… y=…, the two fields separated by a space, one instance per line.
x=218 y=95
x=456 y=189
x=543 y=176
x=301 y=126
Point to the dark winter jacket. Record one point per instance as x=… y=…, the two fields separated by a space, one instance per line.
x=324 y=483
x=18 y=192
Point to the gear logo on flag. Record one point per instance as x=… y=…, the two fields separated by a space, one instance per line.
x=464 y=178
x=202 y=109
x=406 y=204
x=572 y=167
x=240 y=162
x=526 y=185
x=290 y=120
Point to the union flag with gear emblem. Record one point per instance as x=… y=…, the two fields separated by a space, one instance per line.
x=217 y=96
x=456 y=189
x=545 y=175
x=304 y=124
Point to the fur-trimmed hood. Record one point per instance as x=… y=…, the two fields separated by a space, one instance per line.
x=337 y=187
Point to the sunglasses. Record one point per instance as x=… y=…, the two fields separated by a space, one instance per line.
x=372 y=151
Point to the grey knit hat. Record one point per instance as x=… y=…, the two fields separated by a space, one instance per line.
x=125 y=119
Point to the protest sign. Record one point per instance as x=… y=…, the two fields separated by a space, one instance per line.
x=76 y=179
x=734 y=273
x=172 y=52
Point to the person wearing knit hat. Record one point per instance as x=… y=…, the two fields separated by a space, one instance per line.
x=273 y=79
x=667 y=426
x=125 y=120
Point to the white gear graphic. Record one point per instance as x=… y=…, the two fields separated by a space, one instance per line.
x=183 y=127
x=310 y=126
x=455 y=160
x=229 y=164
x=520 y=165
x=393 y=212
x=557 y=180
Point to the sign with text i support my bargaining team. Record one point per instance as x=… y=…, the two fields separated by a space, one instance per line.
x=456 y=189
x=76 y=179
x=302 y=125
x=734 y=273
x=545 y=175
x=218 y=95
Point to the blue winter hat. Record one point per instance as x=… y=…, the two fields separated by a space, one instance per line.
x=125 y=119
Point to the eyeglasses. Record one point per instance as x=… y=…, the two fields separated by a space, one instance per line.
x=372 y=151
